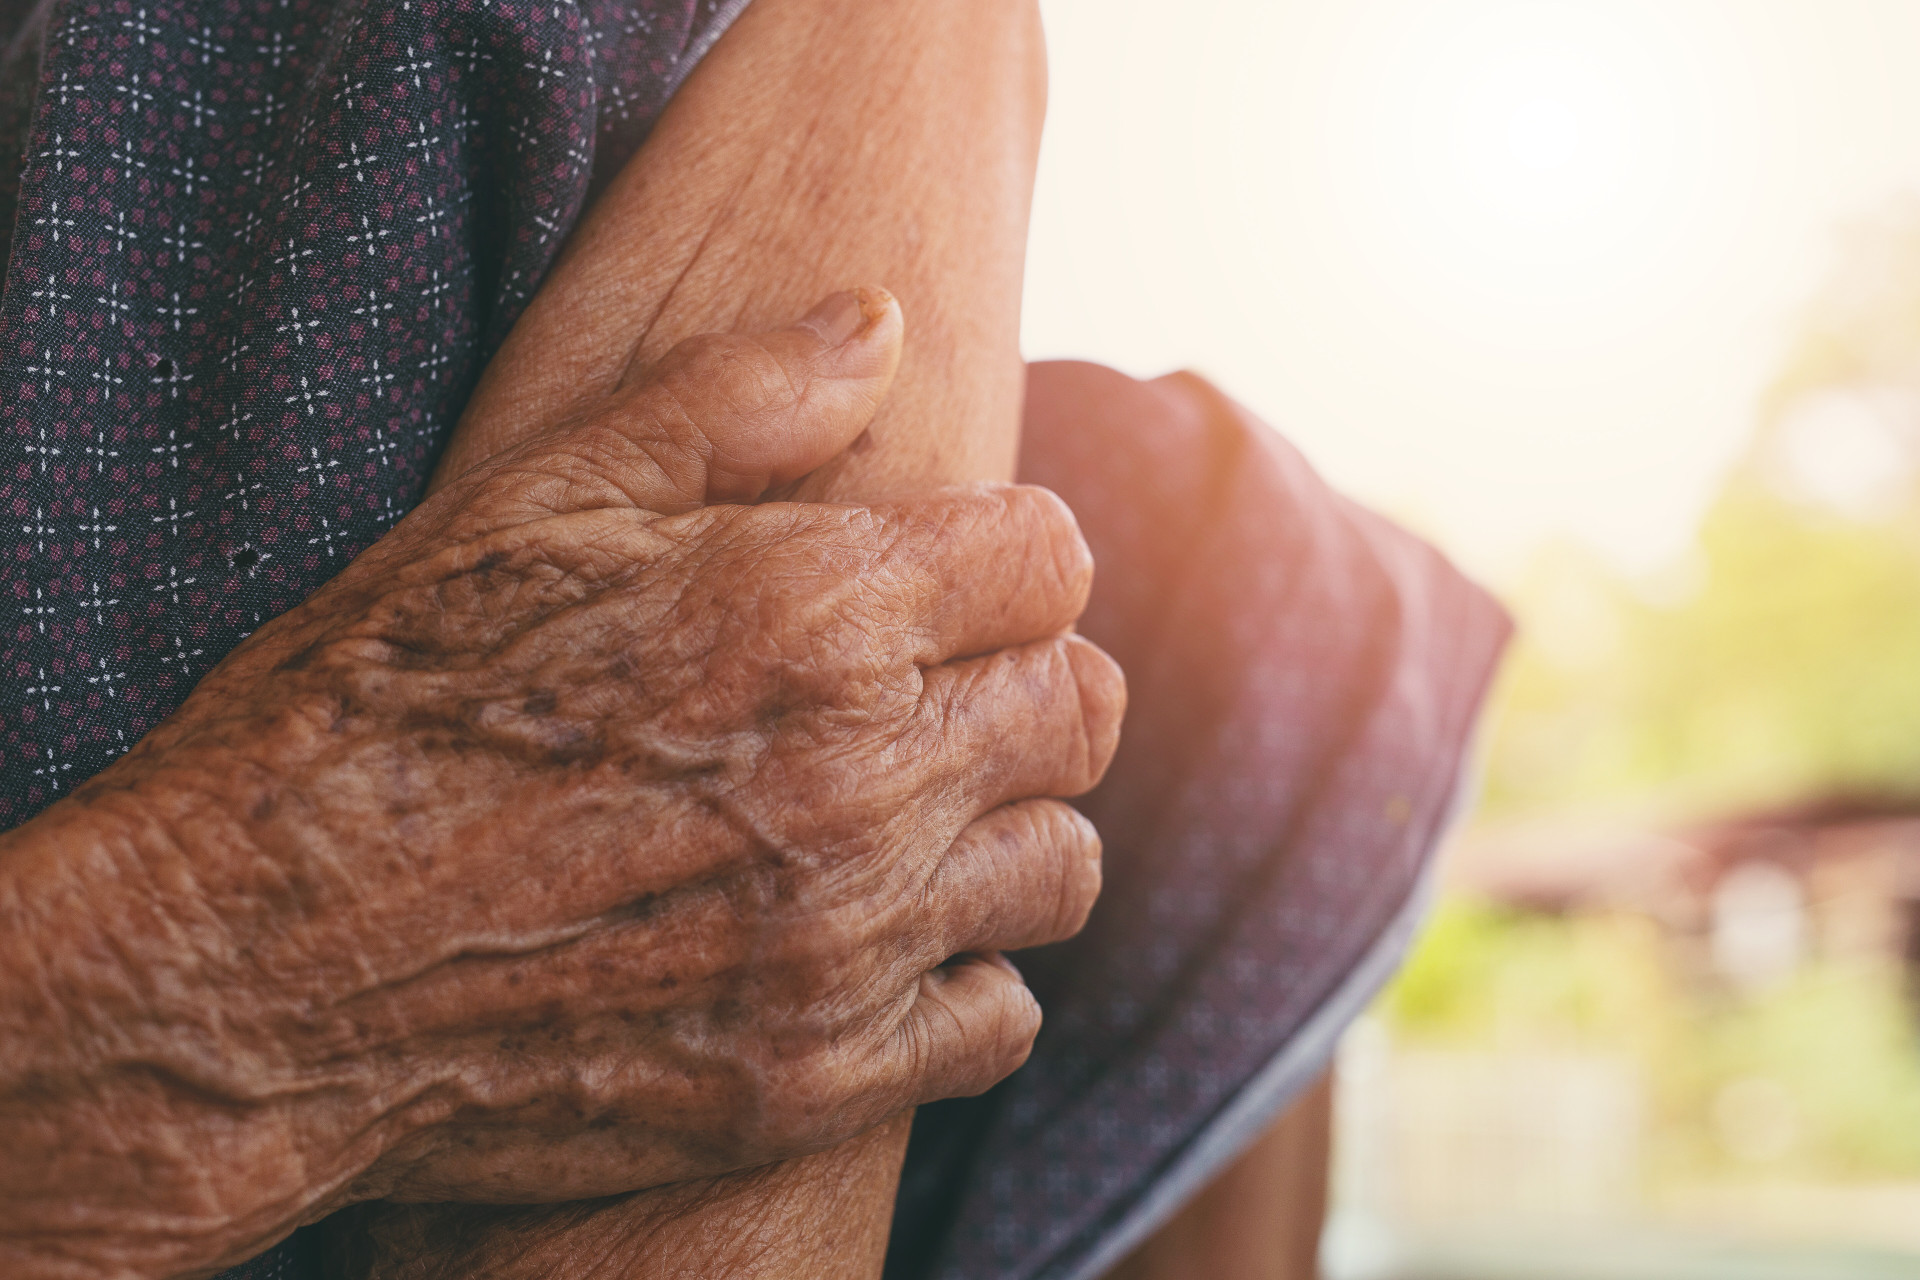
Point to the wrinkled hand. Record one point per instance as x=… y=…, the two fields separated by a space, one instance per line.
x=576 y=839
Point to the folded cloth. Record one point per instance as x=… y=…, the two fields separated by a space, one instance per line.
x=259 y=253
x=1303 y=678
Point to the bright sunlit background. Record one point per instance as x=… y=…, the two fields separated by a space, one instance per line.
x=1618 y=301
x=1508 y=268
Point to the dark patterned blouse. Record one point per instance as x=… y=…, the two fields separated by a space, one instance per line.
x=261 y=251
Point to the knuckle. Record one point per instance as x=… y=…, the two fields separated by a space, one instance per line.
x=1015 y=1029
x=1102 y=688
x=1076 y=849
x=1054 y=531
x=731 y=373
x=995 y=1033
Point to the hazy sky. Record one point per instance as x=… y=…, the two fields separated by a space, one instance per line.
x=1511 y=270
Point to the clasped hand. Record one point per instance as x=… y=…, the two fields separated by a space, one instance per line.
x=580 y=837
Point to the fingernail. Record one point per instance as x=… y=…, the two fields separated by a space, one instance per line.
x=837 y=319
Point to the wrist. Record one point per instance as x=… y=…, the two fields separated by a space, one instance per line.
x=143 y=1113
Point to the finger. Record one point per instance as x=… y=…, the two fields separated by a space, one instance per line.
x=726 y=417
x=957 y=572
x=1023 y=875
x=1037 y=720
x=976 y=570
x=971 y=1026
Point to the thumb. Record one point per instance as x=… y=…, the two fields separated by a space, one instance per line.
x=727 y=417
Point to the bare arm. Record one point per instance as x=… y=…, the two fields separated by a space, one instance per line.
x=822 y=144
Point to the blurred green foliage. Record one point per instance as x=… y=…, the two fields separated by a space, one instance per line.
x=1835 y=1042
x=1779 y=662
x=1789 y=670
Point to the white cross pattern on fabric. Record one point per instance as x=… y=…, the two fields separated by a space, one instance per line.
x=377 y=376
x=413 y=66
x=173 y=583
x=177 y=311
x=53 y=298
x=297 y=327
x=241 y=489
x=173 y=448
x=235 y=422
x=307 y=396
x=184 y=172
x=43 y=691
x=41 y=447
x=174 y=515
x=291 y=257
x=60 y=153
x=106 y=377
x=39 y=611
x=46 y=371
x=197 y=105
x=383 y=447
x=181 y=654
x=51 y=771
x=357 y=162
x=141 y=27
x=99 y=452
x=112 y=302
x=122 y=238
x=39 y=529
x=51 y=218
x=421 y=140
x=175 y=238
x=96 y=604
x=368 y=235
x=106 y=678
x=327 y=536
x=124 y=156
x=317 y=465
x=207 y=47
x=97 y=527
x=136 y=94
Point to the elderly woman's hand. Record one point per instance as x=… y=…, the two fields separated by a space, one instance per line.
x=575 y=839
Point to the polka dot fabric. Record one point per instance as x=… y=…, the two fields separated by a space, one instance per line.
x=260 y=251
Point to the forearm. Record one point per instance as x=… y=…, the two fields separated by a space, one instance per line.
x=822 y=1217
x=141 y=1109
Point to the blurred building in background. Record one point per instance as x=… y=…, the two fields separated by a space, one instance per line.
x=1618 y=1056
x=1747 y=901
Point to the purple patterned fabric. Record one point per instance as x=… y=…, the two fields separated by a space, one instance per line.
x=261 y=250
x=1304 y=678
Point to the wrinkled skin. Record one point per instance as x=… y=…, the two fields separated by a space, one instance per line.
x=576 y=839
